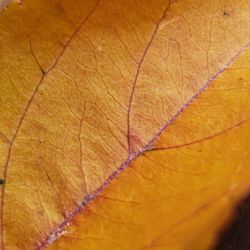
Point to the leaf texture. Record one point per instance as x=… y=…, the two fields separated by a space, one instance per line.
x=180 y=193
x=89 y=88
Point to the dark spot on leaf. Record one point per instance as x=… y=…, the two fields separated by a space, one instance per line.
x=226 y=13
x=2 y=181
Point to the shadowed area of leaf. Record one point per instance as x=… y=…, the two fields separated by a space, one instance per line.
x=237 y=236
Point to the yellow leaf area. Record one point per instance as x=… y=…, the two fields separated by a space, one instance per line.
x=126 y=119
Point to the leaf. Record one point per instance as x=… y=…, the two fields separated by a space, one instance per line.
x=155 y=92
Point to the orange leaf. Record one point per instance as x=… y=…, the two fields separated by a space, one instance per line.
x=154 y=91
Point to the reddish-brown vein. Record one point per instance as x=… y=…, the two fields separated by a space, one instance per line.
x=35 y=57
x=81 y=151
x=119 y=200
x=138 y=72
x=44 y=73
x=202 y=139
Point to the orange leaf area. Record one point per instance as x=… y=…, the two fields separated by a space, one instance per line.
x=127 y=120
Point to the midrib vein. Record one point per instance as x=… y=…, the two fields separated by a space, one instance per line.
x=55 y=234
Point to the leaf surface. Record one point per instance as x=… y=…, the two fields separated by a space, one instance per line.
x=89 y=88
x=179 y=194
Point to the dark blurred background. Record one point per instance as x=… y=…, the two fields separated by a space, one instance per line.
x=237 y=236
